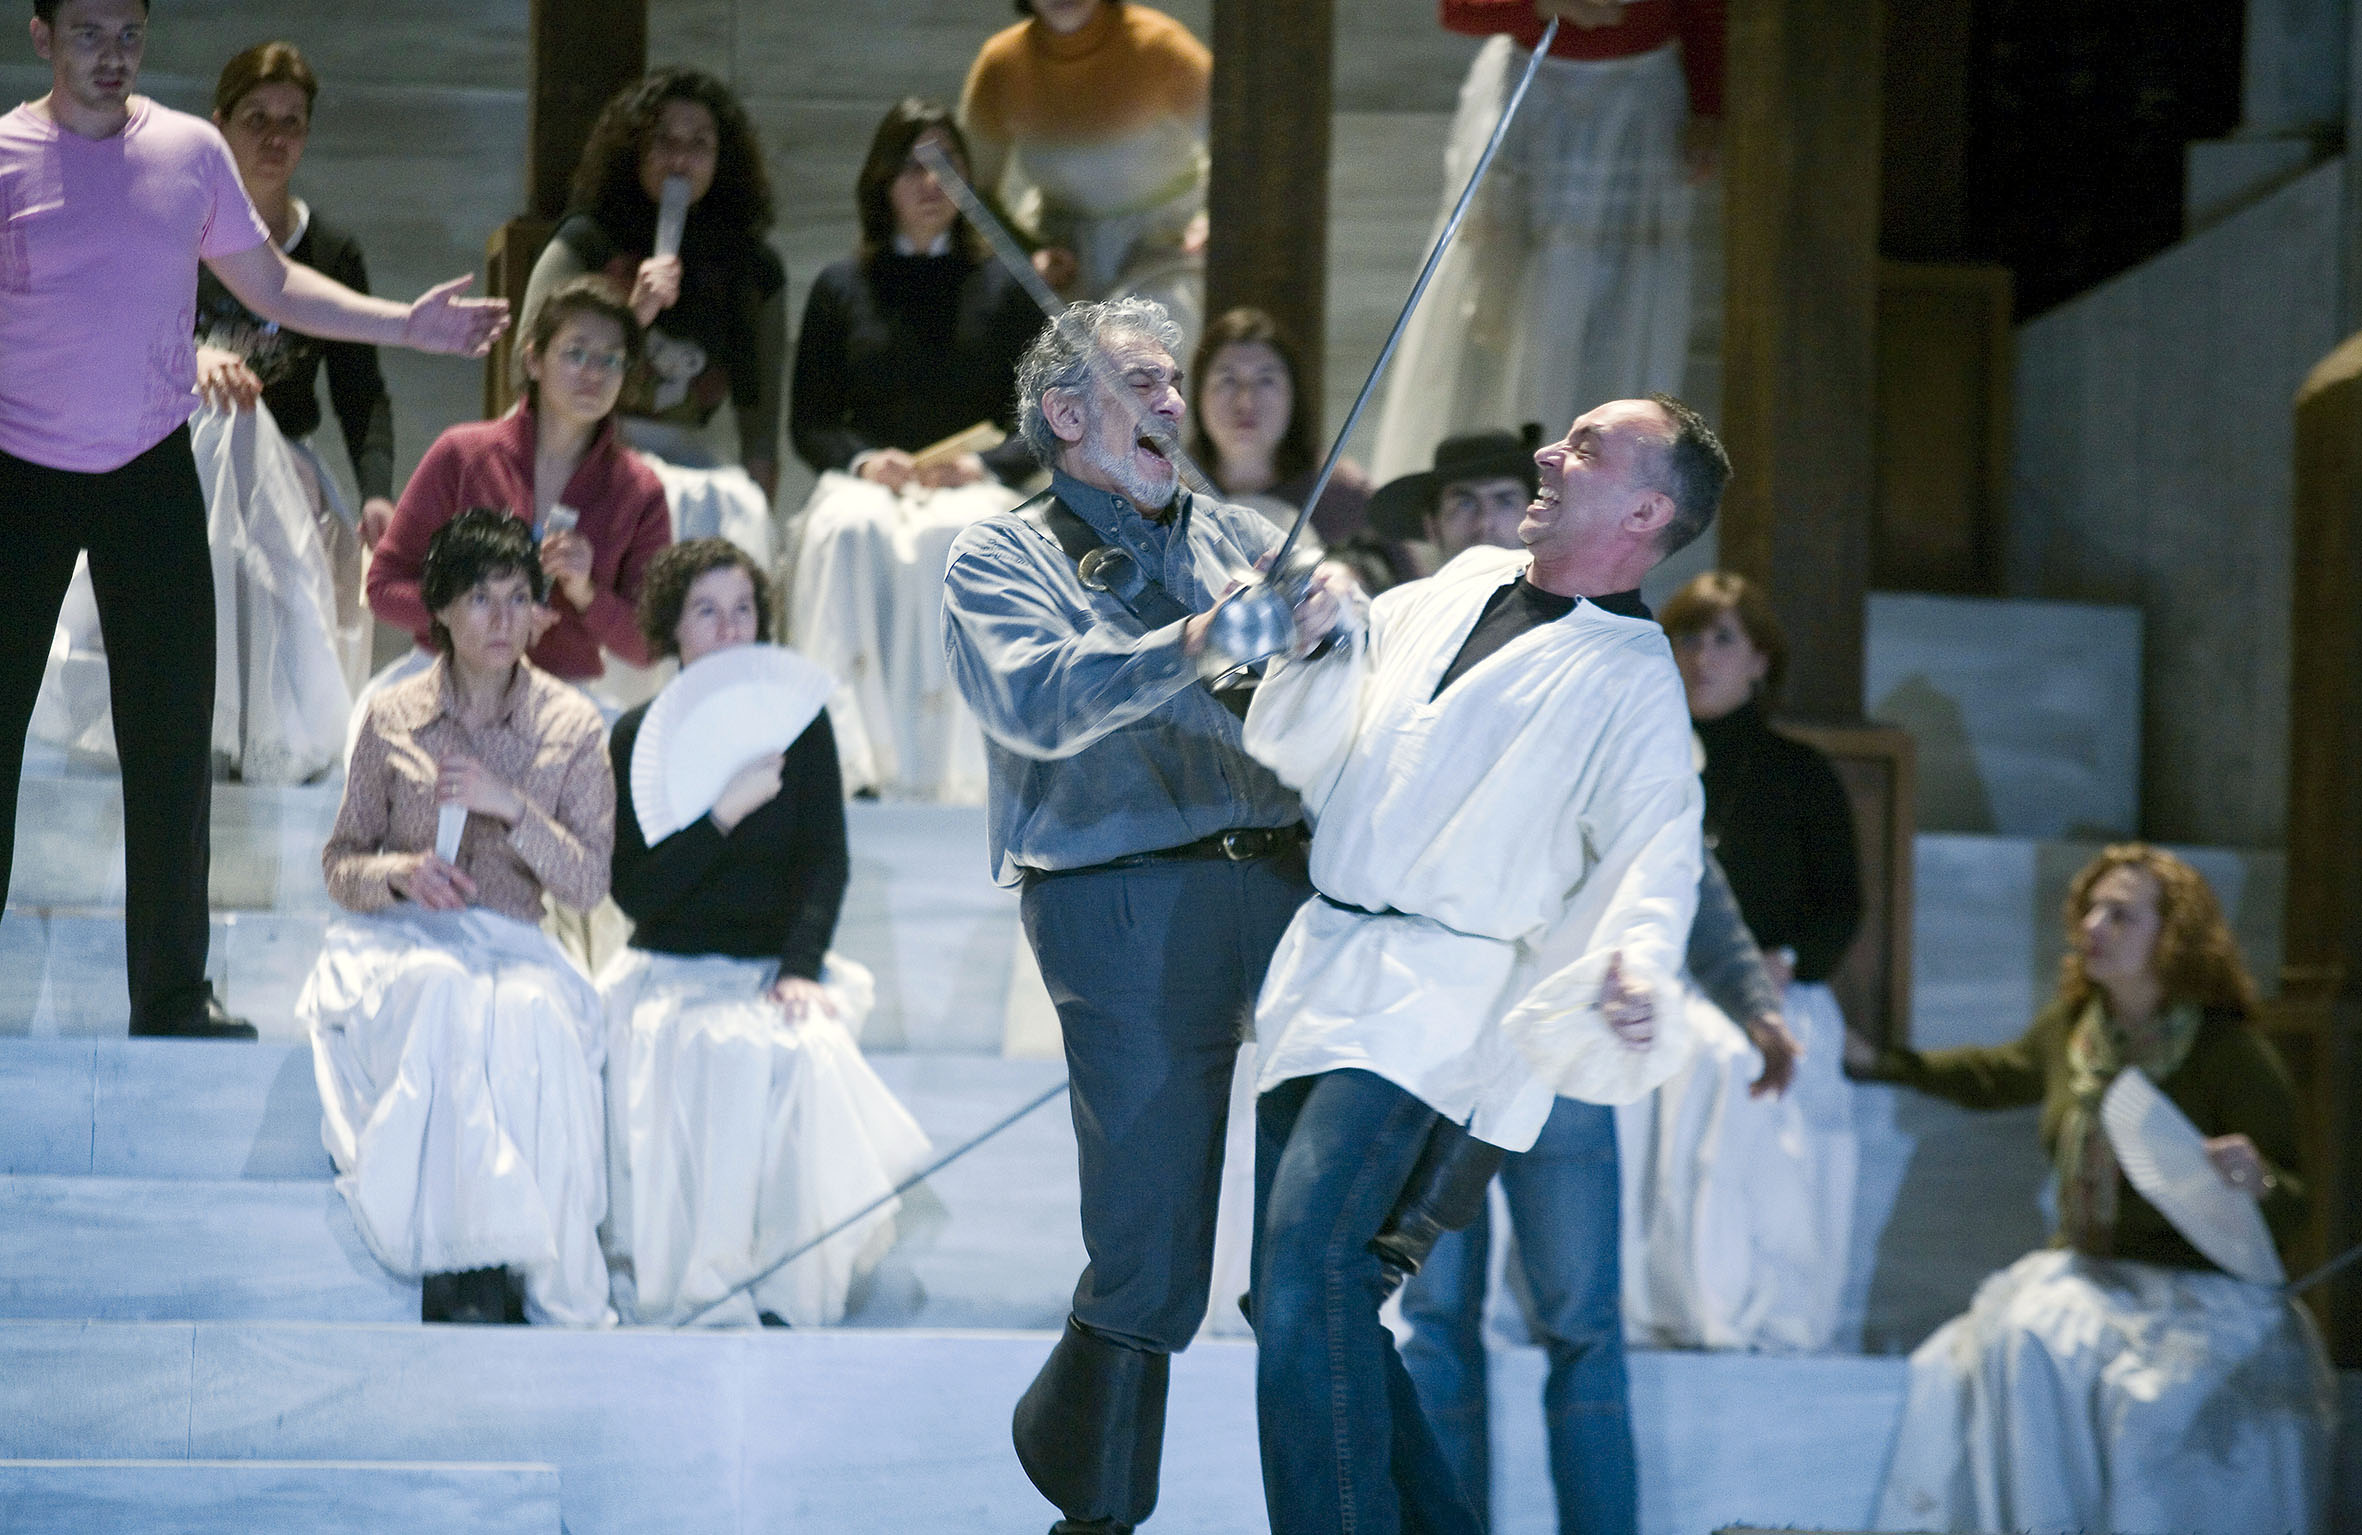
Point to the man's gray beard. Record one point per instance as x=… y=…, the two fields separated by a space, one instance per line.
x=1147 y=493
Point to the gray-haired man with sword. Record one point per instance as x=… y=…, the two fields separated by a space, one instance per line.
x=1159 y=863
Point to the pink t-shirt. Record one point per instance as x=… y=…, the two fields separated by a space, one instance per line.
x=99 y=244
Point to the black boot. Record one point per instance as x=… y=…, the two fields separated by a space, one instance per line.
x=472 y=1295
x=1445 y=1192
x=1090 y=1431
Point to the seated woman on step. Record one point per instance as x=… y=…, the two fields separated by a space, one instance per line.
x=554 y=463
x=907 y=343
x=1738 y=1202
x=2120 y=1379
x=457 y=1049
x=742 y=1121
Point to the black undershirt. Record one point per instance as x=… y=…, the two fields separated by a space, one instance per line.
x=1519 y=607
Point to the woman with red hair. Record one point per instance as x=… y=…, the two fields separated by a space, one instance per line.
x=2119 y=1379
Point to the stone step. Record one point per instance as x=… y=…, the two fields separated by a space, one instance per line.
x=172 y=1179
x=2027 y=715
x=255 y=1497
x=850 y=1430
x=145 y=1249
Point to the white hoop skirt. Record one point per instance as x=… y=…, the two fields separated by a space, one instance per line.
x=2077 y=1394
x=736 y=1136
x=1738 y=1211
x=458 y=1058
x=1569 y=283
x=868 y=606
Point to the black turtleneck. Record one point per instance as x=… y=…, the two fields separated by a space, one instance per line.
x=1778 y=819
x=903 y=351
x=1518 y=607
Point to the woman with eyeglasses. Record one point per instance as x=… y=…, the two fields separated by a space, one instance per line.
x=555 y=463
x=714 y=312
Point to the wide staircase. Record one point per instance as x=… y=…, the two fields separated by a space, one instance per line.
x=193 y=1338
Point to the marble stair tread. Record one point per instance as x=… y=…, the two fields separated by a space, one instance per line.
x=2026 y=714
x=140 y=1249
x=256 y=1497
x=671 y=1431
x=160 y=1109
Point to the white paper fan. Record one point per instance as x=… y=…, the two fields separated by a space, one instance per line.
x=2165 y=1157
x=718 y=715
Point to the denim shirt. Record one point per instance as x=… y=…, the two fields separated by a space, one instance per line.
x=1099 y=740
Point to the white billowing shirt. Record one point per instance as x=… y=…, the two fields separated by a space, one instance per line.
x=1504 y=841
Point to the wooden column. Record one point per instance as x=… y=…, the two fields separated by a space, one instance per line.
x=1269 y=201
x=579 y=53
x=2314 y=1022
x=1799 y=348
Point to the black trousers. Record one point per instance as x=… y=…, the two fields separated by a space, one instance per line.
x=1154 y=971
x=143 y=526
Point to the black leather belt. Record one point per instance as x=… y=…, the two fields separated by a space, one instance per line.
x=1240 y=844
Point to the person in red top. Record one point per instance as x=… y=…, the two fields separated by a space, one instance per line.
x=557 y=464
x=1570 y=281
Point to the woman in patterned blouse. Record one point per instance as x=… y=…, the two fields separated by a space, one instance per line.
x=458 y=1050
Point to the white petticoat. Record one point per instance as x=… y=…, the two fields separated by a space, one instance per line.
x=868 y=606
x=281 y=689
x=458 y=1058
x=1738 y=1211
x=2080 y=1395
x=735 y=1137
x=1569 y=283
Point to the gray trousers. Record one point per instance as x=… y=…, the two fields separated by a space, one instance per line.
x=1154 y=971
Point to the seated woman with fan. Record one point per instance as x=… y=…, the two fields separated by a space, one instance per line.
x=2144 y=1372
x=742 y=1121
x=457 y=1049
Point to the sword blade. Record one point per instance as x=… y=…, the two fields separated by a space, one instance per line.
x=1410 y=305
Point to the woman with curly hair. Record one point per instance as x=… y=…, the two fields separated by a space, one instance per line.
x=457 y=1050
x=743 y=1121
x=2119 y=1379
x=909 y=341
x=716 y=313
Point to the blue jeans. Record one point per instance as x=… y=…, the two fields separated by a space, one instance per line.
x=1346 y=1450
x=1562 y=1204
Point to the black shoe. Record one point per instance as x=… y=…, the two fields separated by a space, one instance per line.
x=472 y=1296
x=213 y=1022
x=1089 y=1527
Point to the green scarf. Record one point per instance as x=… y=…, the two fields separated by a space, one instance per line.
x=2097 y=1050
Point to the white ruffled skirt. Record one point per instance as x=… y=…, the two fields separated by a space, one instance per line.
x=868 y=606
x=458 y=1058
x=2080 y=1395
x=1569 y=282
x=735 y=1137
x=1738 y=1211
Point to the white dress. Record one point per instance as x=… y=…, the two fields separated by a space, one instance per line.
x=1569 y=283
x=1738 y=1211
x=868 y=606
x=458 y=1058
x=2085 y=1395
x=282 y=692
x=735 y=1137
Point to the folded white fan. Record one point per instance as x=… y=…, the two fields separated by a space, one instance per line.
x=2165 y=1157
x=718 y=715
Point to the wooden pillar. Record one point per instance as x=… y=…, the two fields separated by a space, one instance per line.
x=1269 y=201
x=2315 y=1020
x=1799 y=349
x=579 y=53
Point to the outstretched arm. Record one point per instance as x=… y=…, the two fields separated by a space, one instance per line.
x=295 y=296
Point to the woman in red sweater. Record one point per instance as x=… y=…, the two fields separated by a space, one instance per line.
x=556 y=464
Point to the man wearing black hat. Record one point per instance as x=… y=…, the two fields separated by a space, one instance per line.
x=1474 y=495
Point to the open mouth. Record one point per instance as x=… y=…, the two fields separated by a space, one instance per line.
x=1154 y=448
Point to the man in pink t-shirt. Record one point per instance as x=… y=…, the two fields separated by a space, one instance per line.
x=107 y=203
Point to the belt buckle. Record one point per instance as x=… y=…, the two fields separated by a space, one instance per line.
x=1241 y=846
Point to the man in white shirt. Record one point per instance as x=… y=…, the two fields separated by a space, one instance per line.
x=1506 y=857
